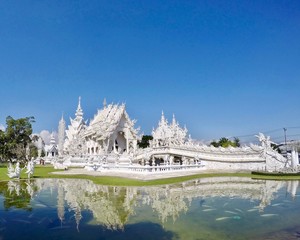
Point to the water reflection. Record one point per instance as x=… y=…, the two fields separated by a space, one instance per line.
x=116 y=207
x=18 y=194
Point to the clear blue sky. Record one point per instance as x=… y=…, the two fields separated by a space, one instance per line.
x=224 y=68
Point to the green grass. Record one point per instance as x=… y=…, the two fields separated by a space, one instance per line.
x=45 y=172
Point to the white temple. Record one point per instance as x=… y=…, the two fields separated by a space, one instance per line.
x=109 y=142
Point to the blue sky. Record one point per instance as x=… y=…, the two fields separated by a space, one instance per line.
x=224 y=68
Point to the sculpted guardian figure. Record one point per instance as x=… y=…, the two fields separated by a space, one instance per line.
x=14 y=172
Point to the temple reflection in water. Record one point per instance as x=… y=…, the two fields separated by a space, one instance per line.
x=112 y=206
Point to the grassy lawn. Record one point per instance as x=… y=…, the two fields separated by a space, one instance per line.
x=44 y=172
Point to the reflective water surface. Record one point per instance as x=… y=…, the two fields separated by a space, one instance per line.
x=211 y=208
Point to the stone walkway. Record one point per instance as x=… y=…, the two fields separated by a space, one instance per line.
x=145 y=176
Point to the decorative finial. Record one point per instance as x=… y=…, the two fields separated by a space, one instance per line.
x=163 y=119
x=52 y=138
x=174 y=120
x=162 y=115
x=79 y=112
x=79 y=102
x=104 y=103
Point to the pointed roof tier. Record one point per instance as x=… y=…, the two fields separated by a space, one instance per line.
x=108 y=120
x=79 y=112
x=52 y=139
x=77 y=124
x=178 y=133
x=163 y=130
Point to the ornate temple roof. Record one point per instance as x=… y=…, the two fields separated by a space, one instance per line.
x=107 y=120
x=170 y=131
x=52 y=147
x=77 y=124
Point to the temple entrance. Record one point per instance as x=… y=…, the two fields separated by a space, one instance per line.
x=120 y=142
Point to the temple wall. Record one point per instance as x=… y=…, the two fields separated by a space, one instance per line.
x=249 y=166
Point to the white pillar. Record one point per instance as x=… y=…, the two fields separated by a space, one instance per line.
x=127 y=144
x=294 y=158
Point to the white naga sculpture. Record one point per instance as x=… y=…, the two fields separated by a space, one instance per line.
x=265 y=141
x=14 y=172
x=274 y=160
x=30 y=168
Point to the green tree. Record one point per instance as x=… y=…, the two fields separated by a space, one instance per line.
x=43 y=154
x=225 y=142
x=33 y=151
x=2 y=144
x=214 y=143
x=236 y=142
x=144 y=143
x=16 y=139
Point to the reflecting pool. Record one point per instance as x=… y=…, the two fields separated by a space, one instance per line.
x=208 y=208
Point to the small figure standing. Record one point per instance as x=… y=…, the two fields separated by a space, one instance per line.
x=30 y=168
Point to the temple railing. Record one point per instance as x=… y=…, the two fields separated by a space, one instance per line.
x=139 y=168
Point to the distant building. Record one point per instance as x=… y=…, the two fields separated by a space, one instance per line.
x=51 y=149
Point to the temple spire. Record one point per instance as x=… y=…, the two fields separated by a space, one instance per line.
x=52 y=139
x=163 y=119
x=79 y=102
x=62 y=117
x=73 y=142
x=61 y=134
x=174 y=120
x=79 y=112
x=104 y=103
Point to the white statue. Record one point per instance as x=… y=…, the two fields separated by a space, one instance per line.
x=30 y=168
x=265 y=141
x=274 y=160
x=14 y=172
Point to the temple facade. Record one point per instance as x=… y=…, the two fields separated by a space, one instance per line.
x=109 y=142
x=111 y=130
